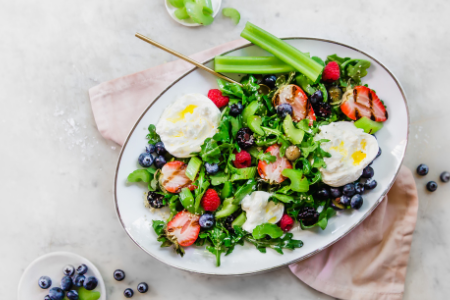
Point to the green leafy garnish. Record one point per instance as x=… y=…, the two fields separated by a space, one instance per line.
x=298 y=182
x=152 y=136
x=262 y=230
x=210 y=152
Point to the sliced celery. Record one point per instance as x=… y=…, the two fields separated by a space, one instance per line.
x=240 y=220
x=177 y=3
x=285 y=52
x=139 y=175
x=251 y=64
x=195 y=11
x=207 y=6
x=249 y=111
x=231 y=13
x=294 y=135
x=227 y=209
x=187 y=200
x=298 y=182
x=254 y=123
x=227 y=190
x=244 y=173
x=305 y=83
x=219 y=178
x=193 y=167
x=181 y=13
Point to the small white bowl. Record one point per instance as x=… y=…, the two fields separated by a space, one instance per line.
x=188 y=22
x=52 y=265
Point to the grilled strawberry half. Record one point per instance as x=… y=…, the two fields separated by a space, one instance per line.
x=183 y=229
x=173 y=177
x=272 y=172
x=363 y=102
x=296 y=97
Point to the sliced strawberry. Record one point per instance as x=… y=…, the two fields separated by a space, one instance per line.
x=272 y=172
x=173 y=177
x=183 y=229
x=296 y=97
x=363 y=102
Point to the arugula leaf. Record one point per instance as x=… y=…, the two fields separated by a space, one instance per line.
x=339 y=60
x=210 y=152
x=262 y=230
x=202 y=184
x=219 y=178
x=152 y=136
x=359 y=70
x=158 y=226
x=223 y=133
x=283 y=198
x=160 y=229
x=260 y=155
x=231 y=89
x=298 y=182
x=139 y=175
x=236 y=124
x=244 y=190
x=173 y=206
x=278 y=244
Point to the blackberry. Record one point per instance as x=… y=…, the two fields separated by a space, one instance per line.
x=245 y=138
x=323 y=109
x=155 y=200
x=228 y=222
x=308 y=216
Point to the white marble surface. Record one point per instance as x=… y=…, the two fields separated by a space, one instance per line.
x=57 y=172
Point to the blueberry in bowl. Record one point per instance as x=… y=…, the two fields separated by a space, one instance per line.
x=44 y=282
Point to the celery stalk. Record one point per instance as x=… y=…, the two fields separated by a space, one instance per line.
x=282 y=50
x=251 y=64
x=193 y=167
x=244 y=173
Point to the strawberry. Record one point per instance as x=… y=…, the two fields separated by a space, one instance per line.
x=331 y=72
x=173 y=177
x=183 y=229
x=242 y=159
x=286 y=223
x=216 y=96
x=210 y=200
x=296 y=97
x=272 y=171
x=363 y=102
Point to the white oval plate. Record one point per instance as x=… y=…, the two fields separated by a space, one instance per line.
x=136 y=219
x=52 y=265
x=189 y=22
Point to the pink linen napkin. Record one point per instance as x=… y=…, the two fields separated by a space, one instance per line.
x=369 y=263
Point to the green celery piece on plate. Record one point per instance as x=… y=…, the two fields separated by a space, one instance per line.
x=84 y=294
x=177 y=3
x=232 y=13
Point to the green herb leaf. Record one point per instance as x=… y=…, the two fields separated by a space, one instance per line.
x=152 y=136
x=262 y=230
x=223 y=134
x=210 y=152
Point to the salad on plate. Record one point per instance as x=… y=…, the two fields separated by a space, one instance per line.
x=284 y=150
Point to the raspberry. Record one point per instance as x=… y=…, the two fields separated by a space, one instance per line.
x=331 y=72
x=286 y=223
x=242 y=159
x=210 y=200
x=216 y=96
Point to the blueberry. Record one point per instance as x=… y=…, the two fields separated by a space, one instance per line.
x=379 y=152
x=90 y=283
x=79 y=280
x=316 y=98
x=368 y=172
x=270 y=80
x=359 y=188
x=69 y=270
x=155 y=200
x=432 y=186
x=370 y=184
x=66 y=283
x=335 y=192
x=323 y=194
x=160 y=148
x=82 y=269
x=160 y=161
x=149 y=148
x=345 y=200
x=72 y=295
x=206 y=220
x=119 y=275
x=356 y=202
x=44 y=282
x=445 y=177
x=128 y=293
x=145 y=160
x=55 y=293
x=348 y=190
x=47 y=297
x=236 y=109
x=142 y=287
x=284 y=109
x=211 y=169
x=422 y=169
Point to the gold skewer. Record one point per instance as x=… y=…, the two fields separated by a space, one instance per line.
x=184 y=57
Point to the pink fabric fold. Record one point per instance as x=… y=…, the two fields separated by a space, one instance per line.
x=369 y=263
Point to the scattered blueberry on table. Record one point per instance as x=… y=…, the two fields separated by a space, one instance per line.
x=69 y=270
x=128 y=293
x=66 y=283
x=422 y=169
x=119 y=275
x=145 y=160
x=82 y=269
x=142 y=287
x=44 y=282
x=90 y=283
x=432 y=186
x=47 y=297
x=445 y=177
